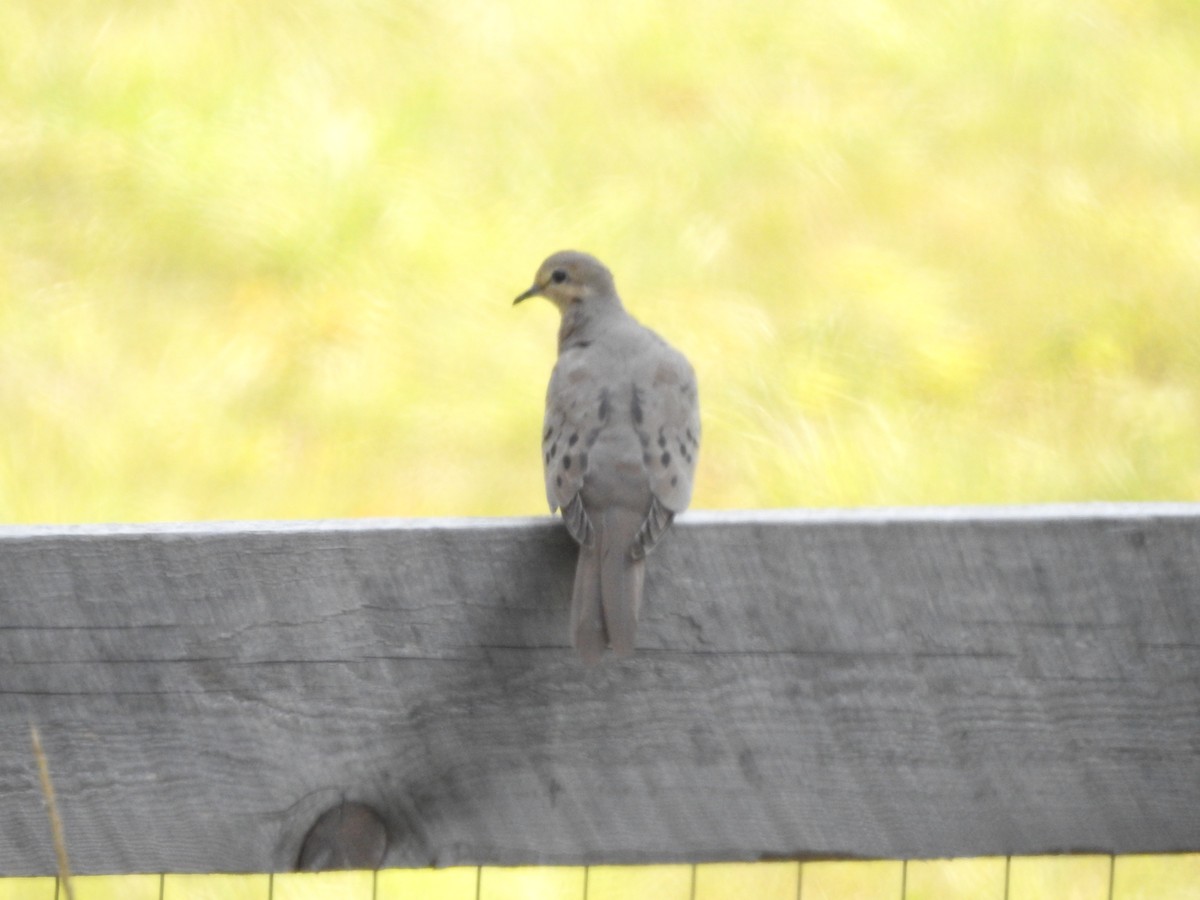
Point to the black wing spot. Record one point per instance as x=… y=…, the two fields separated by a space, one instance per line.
x=665 y=459
x=691 y=437
x=574 y=439
x=645 y=459
x=566 y=461
x=546 y=436
x=554 y=449
x=558 y=480
x=674 y=480
x=592 y=436
x=662 y=441
x=635 y=406
x=603 y=411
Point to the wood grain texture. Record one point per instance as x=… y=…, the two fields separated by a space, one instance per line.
x=912 y=683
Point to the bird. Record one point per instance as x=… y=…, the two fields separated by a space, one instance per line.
x=620 y=441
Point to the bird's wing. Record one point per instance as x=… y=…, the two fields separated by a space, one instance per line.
x=666 y=414
x=577 y=407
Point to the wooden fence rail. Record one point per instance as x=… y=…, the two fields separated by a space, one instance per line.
x=901 y=684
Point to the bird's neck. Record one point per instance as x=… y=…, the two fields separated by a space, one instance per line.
x=581 y=322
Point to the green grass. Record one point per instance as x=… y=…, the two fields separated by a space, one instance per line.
x=257 y=257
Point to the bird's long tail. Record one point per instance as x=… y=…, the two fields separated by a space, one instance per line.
x=608 y=587
x=587 y=619
x=621 y=578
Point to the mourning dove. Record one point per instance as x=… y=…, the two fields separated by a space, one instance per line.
x=619 y=445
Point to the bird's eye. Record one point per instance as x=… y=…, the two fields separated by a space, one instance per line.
x=559 y=276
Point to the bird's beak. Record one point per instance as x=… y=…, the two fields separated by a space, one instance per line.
x=532 y=292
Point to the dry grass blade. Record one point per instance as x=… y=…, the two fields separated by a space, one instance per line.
x=60 y=845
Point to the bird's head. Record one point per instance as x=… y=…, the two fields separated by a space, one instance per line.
x=569 y=278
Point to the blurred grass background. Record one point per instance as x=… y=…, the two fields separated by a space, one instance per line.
x=258 y=256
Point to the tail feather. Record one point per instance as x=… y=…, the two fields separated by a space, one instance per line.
x=587 y=621
x=621 y=578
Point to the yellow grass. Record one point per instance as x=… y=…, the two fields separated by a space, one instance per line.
x=257 y=256
x=1171 y=877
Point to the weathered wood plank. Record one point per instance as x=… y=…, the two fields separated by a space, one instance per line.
x=897 y=683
